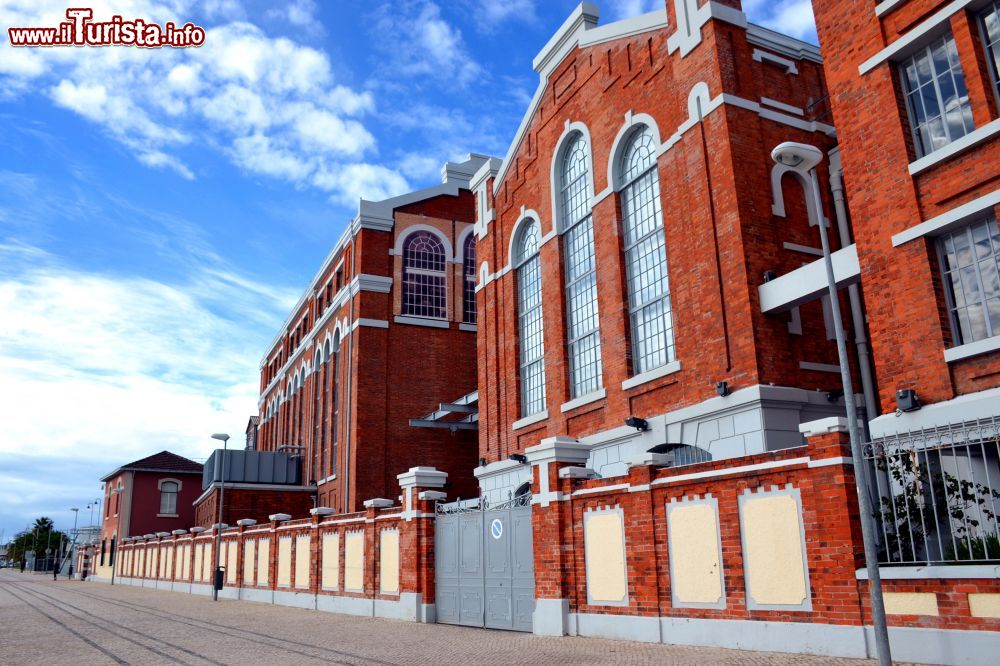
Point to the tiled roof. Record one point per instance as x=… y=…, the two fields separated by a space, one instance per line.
x=164 y=461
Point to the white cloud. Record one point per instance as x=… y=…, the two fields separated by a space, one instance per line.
x=270 y=104
x=790 y=17
x=98 y=369
x=623 y=9
x=420 y=44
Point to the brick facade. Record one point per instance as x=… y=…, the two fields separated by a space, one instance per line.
x=353 y=312
x=901 y=279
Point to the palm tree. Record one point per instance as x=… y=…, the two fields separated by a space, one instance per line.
x=43 y=524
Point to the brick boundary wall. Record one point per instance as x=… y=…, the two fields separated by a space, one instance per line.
x=142 y=561
x=952 y=627
x=946 y=625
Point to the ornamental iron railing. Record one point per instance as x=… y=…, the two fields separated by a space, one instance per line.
x=936 y=494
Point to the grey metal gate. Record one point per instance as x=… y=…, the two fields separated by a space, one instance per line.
x=484 y=564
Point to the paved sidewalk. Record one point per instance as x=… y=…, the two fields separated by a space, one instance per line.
x=91 y=623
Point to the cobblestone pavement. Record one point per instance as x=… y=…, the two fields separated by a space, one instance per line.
x=74 y=622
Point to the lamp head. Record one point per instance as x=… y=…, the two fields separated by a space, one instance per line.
x=799 y=156
x=221 y=436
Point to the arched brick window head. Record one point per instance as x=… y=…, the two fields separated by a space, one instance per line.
x=650 y=318
x=469 y=280
x=424 y=290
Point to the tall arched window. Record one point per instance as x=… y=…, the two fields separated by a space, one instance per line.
x=424 y=290
x=469 y=280
x=529 y=319
x=317 y=414
x=325 y=410
x=651 y=323
x=168 y=497
x=334 y=385
x=577 y=226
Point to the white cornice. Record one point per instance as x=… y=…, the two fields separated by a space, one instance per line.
x=782 y=44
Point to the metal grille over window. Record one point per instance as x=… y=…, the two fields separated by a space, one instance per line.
x=529 y=320
x=582 y=332
x=469 y=280
x=991 y=35
x=424 y=291
x=970 y=261
x=937 y=494
x=648 y=285
x=936 y=96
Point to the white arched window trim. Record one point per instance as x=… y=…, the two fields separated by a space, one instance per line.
x=632 y=121
x=460 y=245
x=574 y=221
x=449 y=251
x=530 y=321
x=569 y=130
x=647 y=281
x=168 y=509
x=527 y=216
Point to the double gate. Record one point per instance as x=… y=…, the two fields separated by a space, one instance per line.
x=484 y=564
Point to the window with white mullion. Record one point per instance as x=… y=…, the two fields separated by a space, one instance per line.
x=651 y=320
x=582 y=322
x=424 y=282
x=531 y=347
x=936 y=96
x=970 y=264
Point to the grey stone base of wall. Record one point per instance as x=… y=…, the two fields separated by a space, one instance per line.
x=409 y=606
x=926 y=646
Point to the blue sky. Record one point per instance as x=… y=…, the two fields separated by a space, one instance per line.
x=160 y=210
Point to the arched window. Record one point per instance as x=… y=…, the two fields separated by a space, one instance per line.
x=529 y=319
x=469 y=280
x=317 y=415
x=168 y=497
x=651 y=322
x=577 y=226
x=424 y=291
x=334 y=404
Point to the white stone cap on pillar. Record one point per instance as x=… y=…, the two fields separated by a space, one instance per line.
x=148 y=536
x=378 y=503
x=220 y=526
x=425 y=477
x=433 y=495
x=179 y=532
x=645 y=459
x=824 y=426
x=321 y=511
x=578 y=473
x=558 y=449
x=246 y=522
x=163 y=534
x=279 y=517
x=196 y=530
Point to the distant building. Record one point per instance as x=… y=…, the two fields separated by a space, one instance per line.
x=374 y=370
x=150 y=495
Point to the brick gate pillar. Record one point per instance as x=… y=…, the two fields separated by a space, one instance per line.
x=551 y=527
x=420 y=488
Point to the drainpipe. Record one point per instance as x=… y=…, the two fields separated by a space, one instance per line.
x=854 y=295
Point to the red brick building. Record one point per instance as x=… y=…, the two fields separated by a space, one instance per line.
x=151 y=495
x=623 y=237
x=384 y=333
x=913 y=87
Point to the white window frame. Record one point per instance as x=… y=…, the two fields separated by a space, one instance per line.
x=159 y=486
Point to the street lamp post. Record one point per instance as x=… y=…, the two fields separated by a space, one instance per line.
x=72 y=547
x=217 y=572
x=803 y=159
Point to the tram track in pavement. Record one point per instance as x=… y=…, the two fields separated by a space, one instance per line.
x=90 y=619
x=237 y=632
